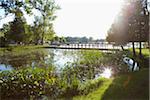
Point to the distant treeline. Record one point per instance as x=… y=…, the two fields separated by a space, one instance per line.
x=82 y=40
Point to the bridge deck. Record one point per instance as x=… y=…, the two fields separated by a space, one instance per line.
x=84 y=48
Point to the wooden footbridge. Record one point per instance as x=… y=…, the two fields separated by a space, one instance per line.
x=88 y=46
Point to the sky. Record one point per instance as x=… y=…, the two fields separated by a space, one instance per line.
x=90 y=18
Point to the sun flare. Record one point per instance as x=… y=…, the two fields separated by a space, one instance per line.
x=86 y=17
x=106 y=73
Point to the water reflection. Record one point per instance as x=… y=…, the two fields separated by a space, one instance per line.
x=64 y=57
x=4 y=67
x=40 y=58
x=61 y=59
x=106 y=73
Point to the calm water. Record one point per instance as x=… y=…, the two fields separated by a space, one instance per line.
x=58 y=58
x=40 y=58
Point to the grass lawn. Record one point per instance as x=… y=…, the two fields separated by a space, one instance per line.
x=131 y=86
x=145 y=52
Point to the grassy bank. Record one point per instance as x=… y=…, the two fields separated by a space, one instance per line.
x=15 y=48
x=98 y=93
x=18 y=50
x=131 y=86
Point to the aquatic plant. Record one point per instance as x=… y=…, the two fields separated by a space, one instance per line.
x=77 y=78
x=28 y=82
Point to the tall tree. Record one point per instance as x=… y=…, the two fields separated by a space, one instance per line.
x=138 y=23
x=133 y=26
x=10 y=6
x=37 y=30
x=17 y=29
x=47 y=9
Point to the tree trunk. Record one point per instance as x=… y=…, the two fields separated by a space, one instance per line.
x=122 y=48
x=134 y=53
x=148 y=45
x=42 y=42
x=140 y=49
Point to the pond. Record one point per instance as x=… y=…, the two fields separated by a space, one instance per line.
x=42 y=58
x=55 y=72
x=58 y=58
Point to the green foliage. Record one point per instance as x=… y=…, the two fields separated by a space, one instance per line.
x=92 y=56
x=90 y=85
x=19 y=31
x=36 y=82
x=74 y=79
x=16 y=33
x=30 y=81
x=132 y=24
x=97 y=61
x=3 y=42
x=47 y=9
x=98 y=93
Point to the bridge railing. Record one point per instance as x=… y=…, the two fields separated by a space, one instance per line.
x=88 y=45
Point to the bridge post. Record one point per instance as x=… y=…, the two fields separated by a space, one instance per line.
x=72 y=45
x=97 y=45
x=81 y=45
x=90 y=45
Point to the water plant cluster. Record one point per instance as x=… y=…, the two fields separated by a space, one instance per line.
x=36 y=82
x=78 y=78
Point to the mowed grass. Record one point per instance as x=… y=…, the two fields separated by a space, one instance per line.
x=130 y=86
x=145 y=51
